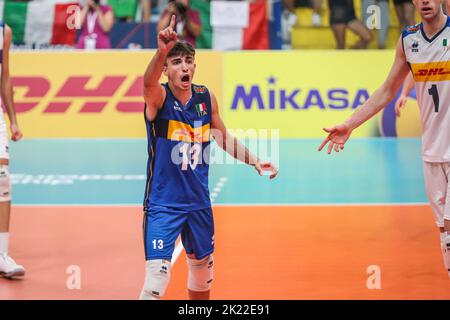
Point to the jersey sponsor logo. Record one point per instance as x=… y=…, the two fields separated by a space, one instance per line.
x=200 y=89
x=177 y=106
x=415 y=46
x=434 y=71
x=413 y=28
x=180 y=131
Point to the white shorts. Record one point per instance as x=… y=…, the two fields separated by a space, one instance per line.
x=437 y=175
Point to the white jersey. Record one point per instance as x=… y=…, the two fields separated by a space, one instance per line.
x=2 y=33
x=429 y=60
x=4 y=150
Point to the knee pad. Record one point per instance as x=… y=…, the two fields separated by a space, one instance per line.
x=157 y=276
x=445 y=247
x=5 y=184
x=200 y=274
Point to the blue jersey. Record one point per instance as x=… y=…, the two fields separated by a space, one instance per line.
x=178 y=152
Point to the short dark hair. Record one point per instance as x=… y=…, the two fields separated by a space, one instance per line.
x=182 y=48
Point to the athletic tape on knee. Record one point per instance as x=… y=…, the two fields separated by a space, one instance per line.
x=201 y=273
x=446 y=251
x=157 y=276
x=5 y=184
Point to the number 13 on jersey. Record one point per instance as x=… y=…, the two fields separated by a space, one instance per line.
x=191 y=155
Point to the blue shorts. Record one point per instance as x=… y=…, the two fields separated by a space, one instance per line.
x=162 y=225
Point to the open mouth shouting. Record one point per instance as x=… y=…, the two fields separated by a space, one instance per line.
x=185 y=80
x=426 y=10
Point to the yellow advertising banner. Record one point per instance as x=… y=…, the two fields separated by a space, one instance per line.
x=301 y=92
x=90 y=94
x=99 y=94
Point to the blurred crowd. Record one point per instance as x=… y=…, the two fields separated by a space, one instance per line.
x=98 y=18
x=342 y=16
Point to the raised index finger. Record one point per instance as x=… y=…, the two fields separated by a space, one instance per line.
x=172 y=22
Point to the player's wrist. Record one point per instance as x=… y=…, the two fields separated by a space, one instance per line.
x=350 y=126
x=161 y=54
x=254 y=161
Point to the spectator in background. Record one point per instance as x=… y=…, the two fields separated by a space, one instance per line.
x=317 y=7
x=288 y=21
x=383 y=19
x=96 y=22
x=124 y=10
x=405 y=13
x=342 y=16
x=146 y=6
x=150 y=8
x=188 y=24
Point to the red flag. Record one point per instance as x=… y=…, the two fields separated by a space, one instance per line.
x=256 y=35
x=64 y=31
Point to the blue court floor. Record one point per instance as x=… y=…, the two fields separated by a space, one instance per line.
x=112 y=171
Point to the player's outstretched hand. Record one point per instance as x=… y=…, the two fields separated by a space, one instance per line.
x=266 y=166
x=400 y=103
x=337 y=137
x=16 y=134
x=167 y=37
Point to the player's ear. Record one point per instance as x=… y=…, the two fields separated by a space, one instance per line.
x=165 y=70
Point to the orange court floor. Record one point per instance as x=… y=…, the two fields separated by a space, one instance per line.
x=262 y=252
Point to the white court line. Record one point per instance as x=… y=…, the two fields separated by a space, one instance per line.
x=176 y=253
x=179 y=247
x=134 y=205
x=349 y=204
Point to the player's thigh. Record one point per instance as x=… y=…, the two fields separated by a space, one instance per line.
x=198 y=233
x=162 y=226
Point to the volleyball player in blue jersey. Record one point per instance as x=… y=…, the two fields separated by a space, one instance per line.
x=180 y=118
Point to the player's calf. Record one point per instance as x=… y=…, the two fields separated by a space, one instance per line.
x=157 y=276
x=445 y=247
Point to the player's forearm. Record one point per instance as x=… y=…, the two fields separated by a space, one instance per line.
x=376 y=102
x=154 y=70
x=408 y=85
x=7 y=97
x=237 y=150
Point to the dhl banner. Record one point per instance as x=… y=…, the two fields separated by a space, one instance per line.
x=99 y=94
x=90 y=94
x=301 y=92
